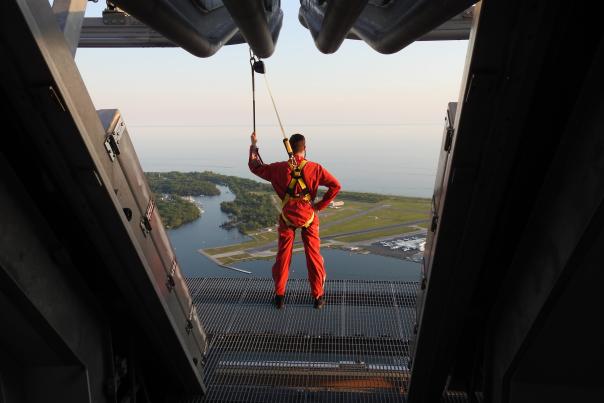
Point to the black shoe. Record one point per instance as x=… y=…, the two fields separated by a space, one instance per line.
x=279 y=301
x=320 y=302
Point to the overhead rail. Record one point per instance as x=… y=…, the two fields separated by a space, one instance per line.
x=128 y=33
x=330 y=22
x=120 y=30
x=386 y=26
x=259 y=22
x=202 y=27
x=131 y=33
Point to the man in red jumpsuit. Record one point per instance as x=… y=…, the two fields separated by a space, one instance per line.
x=279 y=174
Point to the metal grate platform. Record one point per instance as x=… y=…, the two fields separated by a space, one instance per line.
x=355 y=349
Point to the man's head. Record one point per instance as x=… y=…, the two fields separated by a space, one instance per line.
x=298 y=143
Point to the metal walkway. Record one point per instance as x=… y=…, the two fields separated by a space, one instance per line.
x=355 y=349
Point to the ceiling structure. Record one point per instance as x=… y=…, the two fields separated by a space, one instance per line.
x=202 y=27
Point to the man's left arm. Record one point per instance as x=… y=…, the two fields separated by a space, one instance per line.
x=333 y=187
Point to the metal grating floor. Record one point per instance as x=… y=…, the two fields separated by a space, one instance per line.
x=354 y=350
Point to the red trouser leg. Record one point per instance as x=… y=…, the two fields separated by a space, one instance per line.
x=314 y=260
x=284 y=257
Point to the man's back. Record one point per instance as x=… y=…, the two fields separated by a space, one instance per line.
x=314 y=175
x=297 y=188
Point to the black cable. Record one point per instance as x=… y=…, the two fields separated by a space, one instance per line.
x=253 y=90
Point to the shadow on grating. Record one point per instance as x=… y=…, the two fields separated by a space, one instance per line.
x=354 y=350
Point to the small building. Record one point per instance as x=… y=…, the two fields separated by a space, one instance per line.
x=336 y=204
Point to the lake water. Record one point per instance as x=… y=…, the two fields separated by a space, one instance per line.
x=389 y=159
x=206 y=232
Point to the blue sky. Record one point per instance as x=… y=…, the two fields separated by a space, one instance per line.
x=386 y=110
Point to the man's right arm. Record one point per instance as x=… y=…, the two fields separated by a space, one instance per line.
x=255 y=162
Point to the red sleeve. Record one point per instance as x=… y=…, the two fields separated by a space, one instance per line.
x=333 y=187
x=256 y=165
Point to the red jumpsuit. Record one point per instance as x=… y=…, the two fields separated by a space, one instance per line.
x=278 y=174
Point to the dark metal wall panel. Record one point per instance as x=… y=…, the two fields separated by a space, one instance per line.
x=66 y=139
x=440 y=186
x=512 y=215
x=490 y=117
x=129 y=184
x=52 y=328
x=553 y=287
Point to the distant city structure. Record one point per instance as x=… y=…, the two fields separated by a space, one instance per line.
x=406 y=244
x=336 y=204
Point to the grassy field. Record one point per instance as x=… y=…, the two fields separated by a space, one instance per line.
x=258 y=240
x=240 y=257
x=265 y=236
x=350 y=209
x=354 y=216
x=374 y=219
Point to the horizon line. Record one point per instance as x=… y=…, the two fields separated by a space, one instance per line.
x=294 y=124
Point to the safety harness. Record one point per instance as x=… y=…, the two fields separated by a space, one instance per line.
x=297 y=181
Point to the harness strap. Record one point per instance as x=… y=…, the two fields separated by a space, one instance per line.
x=305 y=225
x=297 y=179
x=287 y=198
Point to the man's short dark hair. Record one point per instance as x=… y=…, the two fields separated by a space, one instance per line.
x=298 y=142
